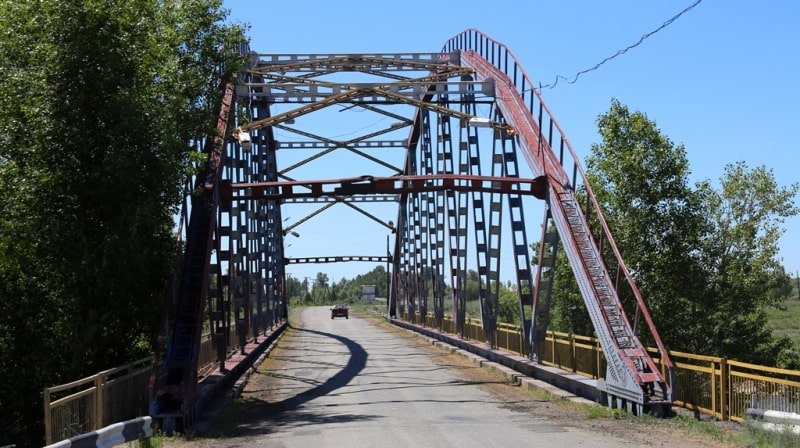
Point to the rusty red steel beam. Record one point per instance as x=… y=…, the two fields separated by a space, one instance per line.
x=542 y=159
x=536 y=187
x=199 y=242
x=338 y=259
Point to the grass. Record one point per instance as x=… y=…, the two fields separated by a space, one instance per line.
x=706 y=427
x=593 y=412
x=684 y=422
x=157 y=440
x=786 y=322
x=752 y=435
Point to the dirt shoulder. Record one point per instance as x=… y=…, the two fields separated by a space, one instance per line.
x=682 y=430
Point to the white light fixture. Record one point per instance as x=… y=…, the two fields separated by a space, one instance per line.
x=244 y=141
x=479 y=122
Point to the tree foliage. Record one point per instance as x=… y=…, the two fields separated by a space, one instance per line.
x=641 y=180
x=99 y=101
x=377 y=277
x=705 y=260
x=508 y=309
x=743 y=272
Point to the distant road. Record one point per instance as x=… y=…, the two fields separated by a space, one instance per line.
x=350 y=383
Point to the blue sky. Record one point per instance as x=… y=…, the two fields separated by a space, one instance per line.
x=722 y=79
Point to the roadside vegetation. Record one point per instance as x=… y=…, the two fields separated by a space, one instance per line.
x=784 y=318
x=99 y=104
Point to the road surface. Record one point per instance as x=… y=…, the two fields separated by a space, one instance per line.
x=356 y=383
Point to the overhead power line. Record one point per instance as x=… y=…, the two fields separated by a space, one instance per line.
x=622 y=51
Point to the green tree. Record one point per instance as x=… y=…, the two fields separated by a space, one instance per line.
x=508 y=305
x=295 y=289
x=640 y=178
x=99 y=102
x=743 y=271
x=377 y=277
x=705 y=261
x=568 y=312
x=321 y=281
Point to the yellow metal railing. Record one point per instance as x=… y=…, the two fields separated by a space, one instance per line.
x=91 y=403
x=758 y=386
x=111 y=396
x=708 y=384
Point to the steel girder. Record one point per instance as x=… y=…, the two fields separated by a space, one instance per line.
x=174 y=392
x=417 y=249
x=250 y=233
x=632 y=379
x=434 y=186
x=235 y=258
x=506 y=166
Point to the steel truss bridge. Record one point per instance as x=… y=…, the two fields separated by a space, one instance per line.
x=458 y=143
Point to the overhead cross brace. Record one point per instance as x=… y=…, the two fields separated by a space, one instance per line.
x=382 y=185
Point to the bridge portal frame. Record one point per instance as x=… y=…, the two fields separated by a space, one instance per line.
x=434 y=188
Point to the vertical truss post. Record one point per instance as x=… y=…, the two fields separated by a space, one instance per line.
x=272 y=269
x=424 y=225
x=522 y=259
x=458 y=222
x=488 y=315
x=444 y=165
x=405 y=255
x=490 y=302
x=225 y=231
x=396 y=300
x=219 y=300
x=545 y=272
x=250 y=246
x=414 y=257
x=237 y=275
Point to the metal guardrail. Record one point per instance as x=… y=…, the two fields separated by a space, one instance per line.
x=128 y=431
x=707 y=384
x=110 y=396
x=93 y=402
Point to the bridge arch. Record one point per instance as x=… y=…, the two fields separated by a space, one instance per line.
x=423 y=151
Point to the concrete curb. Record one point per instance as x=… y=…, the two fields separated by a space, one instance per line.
x=239 y=385
x=775 y=421
x=112 y=435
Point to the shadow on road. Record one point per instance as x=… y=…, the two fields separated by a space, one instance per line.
x=255 y=416
x=355 y=364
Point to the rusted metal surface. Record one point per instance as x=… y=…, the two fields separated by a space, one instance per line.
x=452 y=214
x=382 y=185
x=174 y=380
x=631 y=374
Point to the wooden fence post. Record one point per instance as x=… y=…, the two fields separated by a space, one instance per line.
x=98 y=401
x=723 y=388
x=48 y=422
